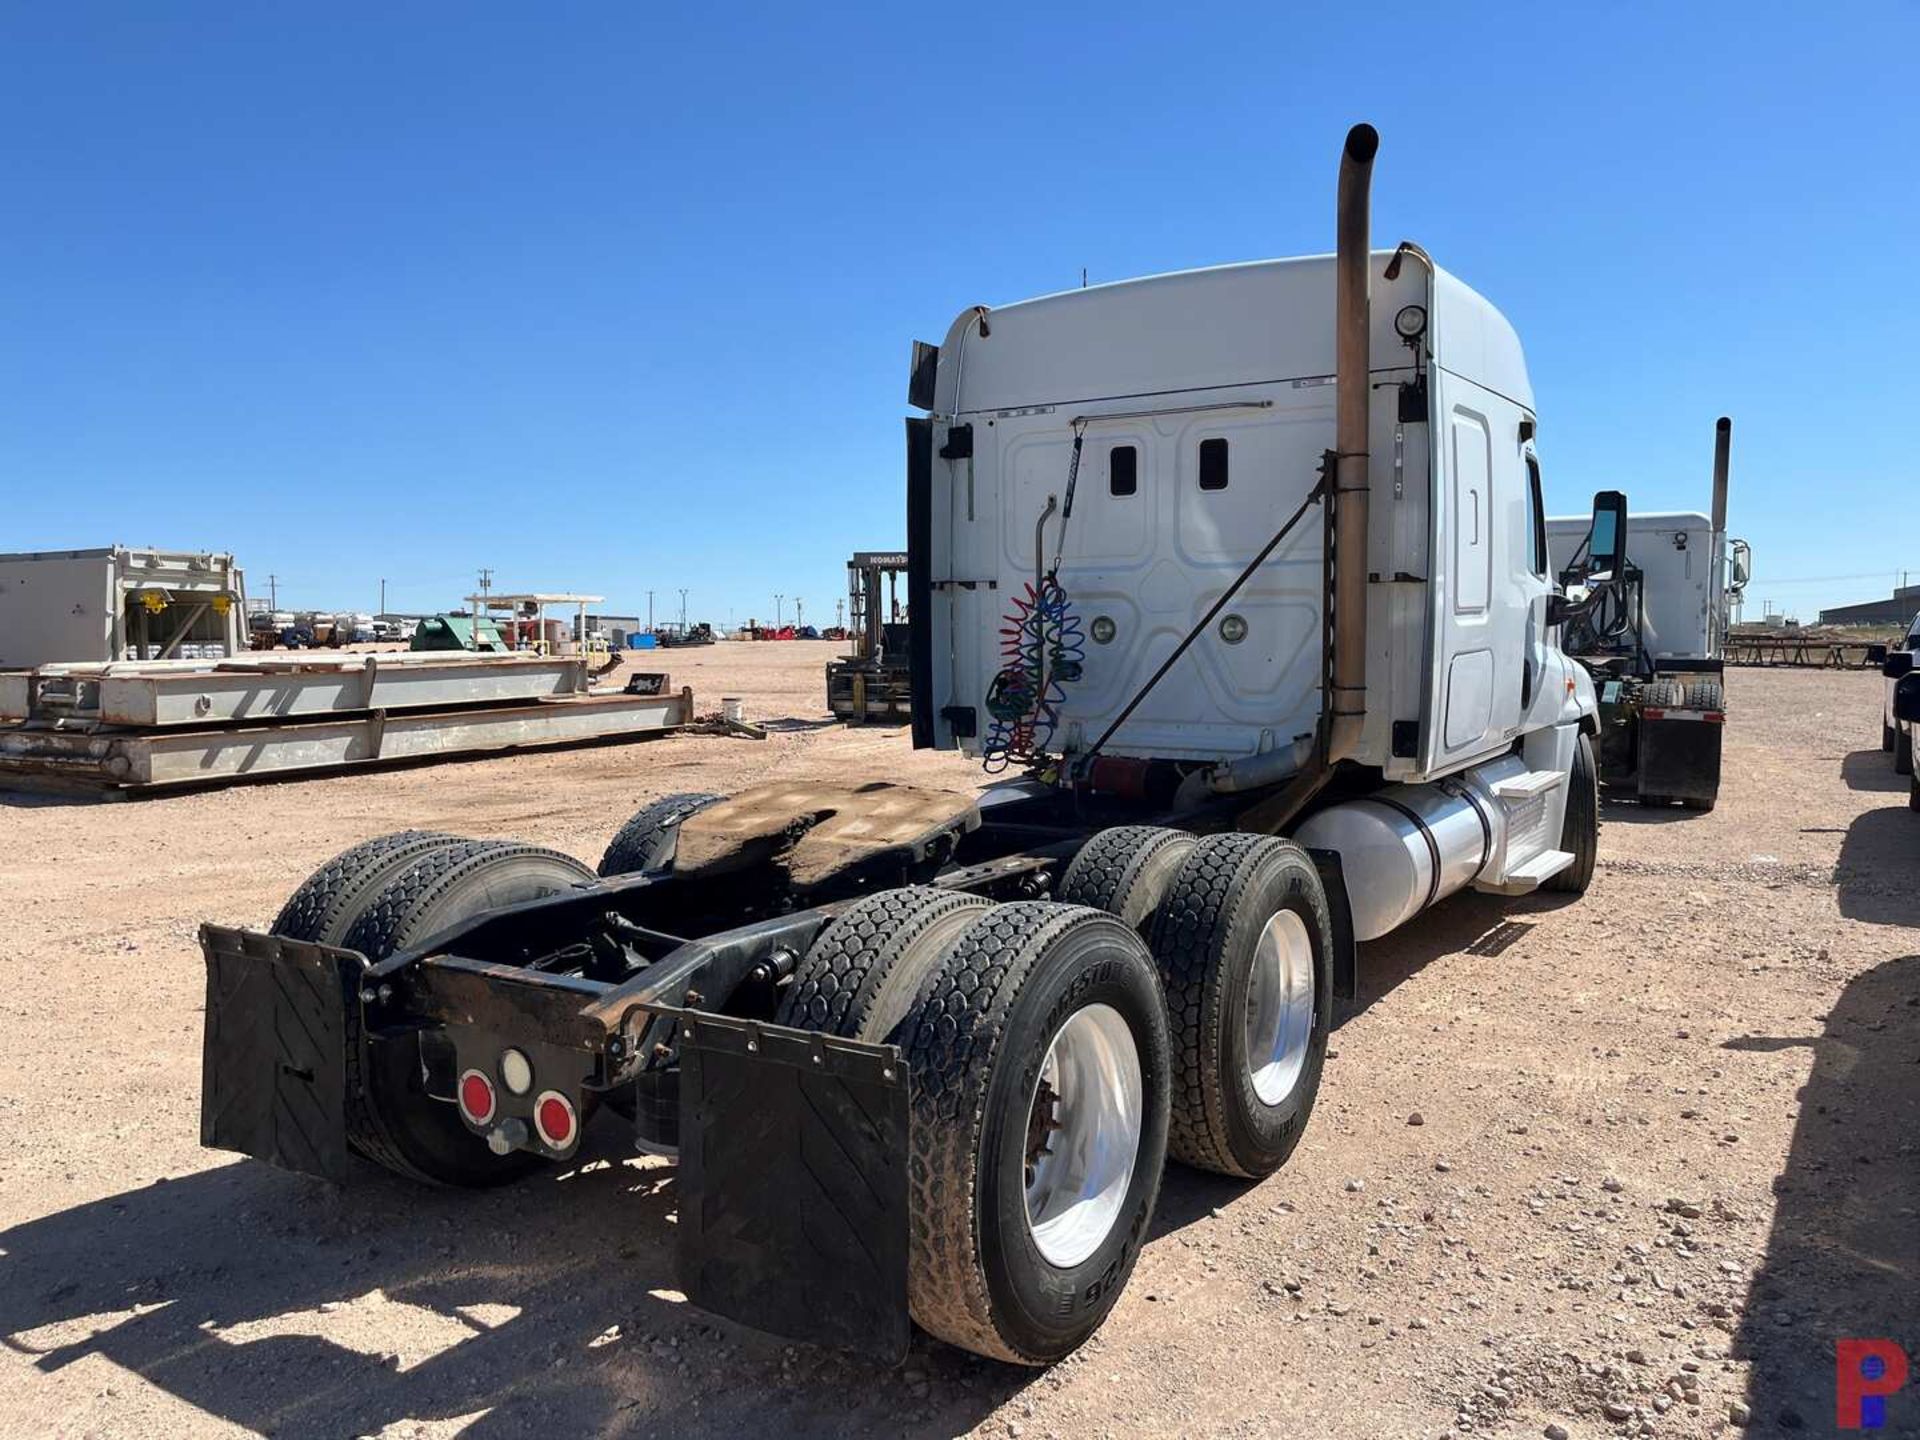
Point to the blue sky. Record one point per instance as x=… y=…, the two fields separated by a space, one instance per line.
x=606 y=297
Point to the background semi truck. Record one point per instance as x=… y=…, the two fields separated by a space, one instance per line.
x=1655 y=600
x=1894 y=735
x=1239 y=577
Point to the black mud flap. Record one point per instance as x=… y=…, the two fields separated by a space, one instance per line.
x=274 y=1070
x=1680 y=757
x=793 y=1183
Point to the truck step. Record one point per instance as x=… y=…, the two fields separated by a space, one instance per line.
x=1528 y=876
x=1525 y=787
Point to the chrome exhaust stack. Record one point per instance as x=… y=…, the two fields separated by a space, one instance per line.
x=1351 y=323
x=1722 y=453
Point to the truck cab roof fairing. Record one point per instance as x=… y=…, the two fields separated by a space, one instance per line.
x=1200 y=330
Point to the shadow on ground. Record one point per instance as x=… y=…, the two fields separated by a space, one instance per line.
x=1872 y=770
x=548 y=1307
x=1877 y=874
x=1843 y=1258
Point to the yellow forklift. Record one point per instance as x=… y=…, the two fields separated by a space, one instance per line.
x=874 y=682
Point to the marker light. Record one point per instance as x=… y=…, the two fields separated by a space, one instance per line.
x=553 y=1118
x=476 y=1097
x=516 y=1072
x=1233 y=629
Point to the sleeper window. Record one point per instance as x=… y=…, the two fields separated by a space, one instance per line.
x=1123 y=470
x=1213 y=464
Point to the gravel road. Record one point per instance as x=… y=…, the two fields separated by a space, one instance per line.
x=1625 y=1166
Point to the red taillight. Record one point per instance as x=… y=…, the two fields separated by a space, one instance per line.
x=1651 y=714
x=1716 y=717
x=476 y=1097
x=553 y=1118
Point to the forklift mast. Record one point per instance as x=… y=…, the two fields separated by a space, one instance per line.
x=867 y=617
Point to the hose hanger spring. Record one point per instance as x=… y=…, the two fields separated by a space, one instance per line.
x=1042 y=648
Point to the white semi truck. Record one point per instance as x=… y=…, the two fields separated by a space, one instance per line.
x=1241 y=577
x=1656 y=596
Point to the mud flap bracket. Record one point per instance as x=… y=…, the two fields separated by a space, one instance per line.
x=793 y=1182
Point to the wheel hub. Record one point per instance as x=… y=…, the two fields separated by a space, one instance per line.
x=1083 y=1134
x=1280 y=1007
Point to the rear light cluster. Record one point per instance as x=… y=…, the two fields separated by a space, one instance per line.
x=554 y=1119
x=477 y=1100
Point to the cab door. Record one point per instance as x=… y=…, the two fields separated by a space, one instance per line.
x=1489 y=606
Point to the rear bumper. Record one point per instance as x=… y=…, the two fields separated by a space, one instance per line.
x=792 y=1187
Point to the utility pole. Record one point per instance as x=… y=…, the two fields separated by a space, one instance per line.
x=486 y=583
x=777 y=598
x=273 y=592
x=683 y=609
x=796 y=612
x=383 y=594
x=839 y=614
x=649 y=612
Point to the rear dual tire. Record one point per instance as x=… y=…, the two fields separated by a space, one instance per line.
x=1037 y=1039
x=646 y=844
x=1242 y=937
x=1244 y=945
x=388 y=895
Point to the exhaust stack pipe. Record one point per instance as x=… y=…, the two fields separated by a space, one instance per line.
x=1722 y=450
x=1351 y=325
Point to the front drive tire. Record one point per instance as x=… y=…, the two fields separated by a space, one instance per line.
x=859 y=979
x=1125 y=871
x=1244 y=944
x=1903 y=749
x=1580 y=830
x=1033 y=992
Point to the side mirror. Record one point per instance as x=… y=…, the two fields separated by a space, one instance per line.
x=1742 y=566
x=1899 y=663
x=1906 y=700
x=1607 y=540
x=1876 y=655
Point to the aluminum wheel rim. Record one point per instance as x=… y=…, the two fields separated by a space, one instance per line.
x=1279 y=1007
x=1084 y=1121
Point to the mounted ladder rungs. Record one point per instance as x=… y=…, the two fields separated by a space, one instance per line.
x=1525 y=787
x=1530 y=875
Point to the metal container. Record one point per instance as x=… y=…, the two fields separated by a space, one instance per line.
x=118 y=603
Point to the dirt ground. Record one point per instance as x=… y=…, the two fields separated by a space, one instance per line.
x=1622 y=1166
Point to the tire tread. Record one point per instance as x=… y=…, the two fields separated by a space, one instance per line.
x=634 y=847
x=962 y=1013
x=1199 y=904
x=841 y=977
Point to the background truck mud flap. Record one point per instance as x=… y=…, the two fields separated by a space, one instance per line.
x=274 y=1070
x=793 y=1183
x=1680 y=755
